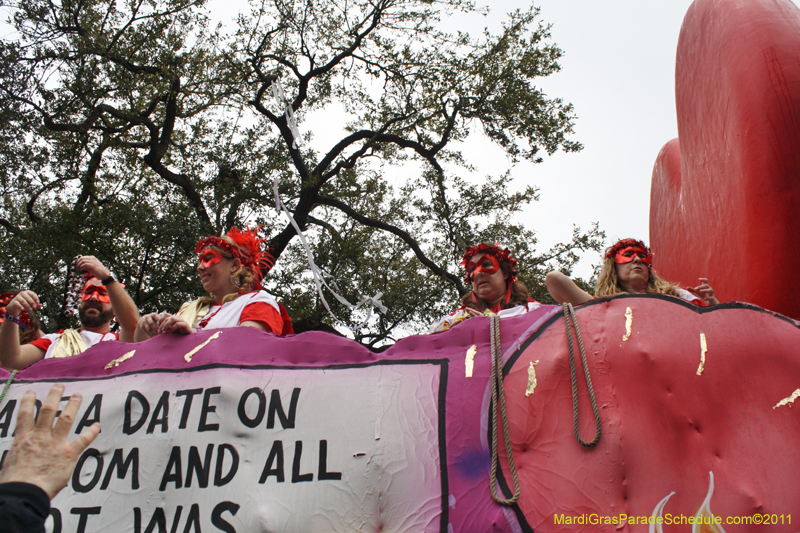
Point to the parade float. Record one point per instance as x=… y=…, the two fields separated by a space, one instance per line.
x=635 y=413
x=240 y=430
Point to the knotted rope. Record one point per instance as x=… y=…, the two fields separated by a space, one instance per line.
x=569 y=312
x=499 y=401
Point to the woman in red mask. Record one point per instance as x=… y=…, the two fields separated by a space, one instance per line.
x=627 y=269
x=492 y=272
x=231 y=268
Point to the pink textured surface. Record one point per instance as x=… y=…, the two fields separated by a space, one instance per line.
x=408 y=425
x=725 y=199
x=663 y=426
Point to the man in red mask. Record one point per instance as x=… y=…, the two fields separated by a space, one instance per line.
x=102 y=298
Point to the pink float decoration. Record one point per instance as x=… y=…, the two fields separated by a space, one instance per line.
x=684 y=394
x=725 y=197
x=240 y=430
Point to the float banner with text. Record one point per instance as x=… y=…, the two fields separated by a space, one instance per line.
x=239 y=430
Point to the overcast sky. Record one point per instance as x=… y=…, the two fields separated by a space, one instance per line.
x=619 y=72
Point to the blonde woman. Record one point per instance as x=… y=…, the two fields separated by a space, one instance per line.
x=627 y=269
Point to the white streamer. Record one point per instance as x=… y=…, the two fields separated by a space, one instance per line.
x=319 y=280
x=372 y=302
x=277 y=92
x=291 y=121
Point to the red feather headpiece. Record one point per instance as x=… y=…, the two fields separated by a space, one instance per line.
x=502 y=255
x=626 y=243
x=250 y=249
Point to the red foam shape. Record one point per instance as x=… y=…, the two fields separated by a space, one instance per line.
x=725 y=200
x=664 y=427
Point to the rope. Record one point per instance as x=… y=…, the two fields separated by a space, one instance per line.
x=569 y=312
x=8 y=384
x=499 y=401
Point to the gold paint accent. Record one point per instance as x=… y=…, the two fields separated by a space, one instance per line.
x=788 y=401
x=531 y=378
x=470 y=361
x=703 y=350
x=116 y=362
x=628 y=323
x=189 y=355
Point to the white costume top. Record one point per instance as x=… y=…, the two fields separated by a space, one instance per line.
x=229 y=314
x=461 y=314
x=89 y=337
x=683 y=294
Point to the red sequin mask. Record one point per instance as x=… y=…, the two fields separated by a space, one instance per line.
x=501 y=255
x=626 y=255
x=209 y=257
x=488 y=265
x=90 y=289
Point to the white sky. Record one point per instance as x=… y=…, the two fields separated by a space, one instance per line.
x=618 y=70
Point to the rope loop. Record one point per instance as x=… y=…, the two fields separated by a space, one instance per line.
x=569 y=312
x=499 y=403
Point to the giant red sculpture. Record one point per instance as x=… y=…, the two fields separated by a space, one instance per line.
x=725 y=197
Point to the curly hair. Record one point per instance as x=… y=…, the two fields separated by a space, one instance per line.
x=519 y=293
x=608 y=283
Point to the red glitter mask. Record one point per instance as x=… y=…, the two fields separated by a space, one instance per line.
x=90 y=289
x=625 y=250
x=488 y=265
x=495 y=252
x=626 y=255
x=209 y=258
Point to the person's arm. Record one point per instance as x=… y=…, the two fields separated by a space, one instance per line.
x=125 y=311
x=23 y=508
x=168 y=323
x=706 y=292
x=563 y=289
x=263 y=316
x=40 y=456
x=258 y=325
x=12 y=355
